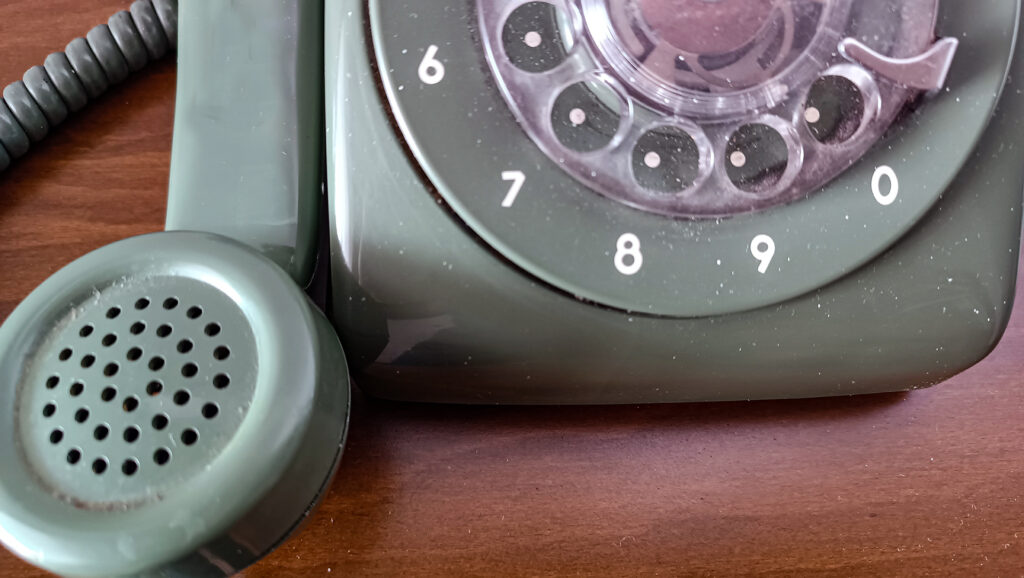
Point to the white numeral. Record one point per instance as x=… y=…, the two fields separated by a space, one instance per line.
x=876 y=185
x=517 y=178
x=431 y=69
x=763 y=249
x=628 y=258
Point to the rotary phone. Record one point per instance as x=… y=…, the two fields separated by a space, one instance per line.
x=527 y=201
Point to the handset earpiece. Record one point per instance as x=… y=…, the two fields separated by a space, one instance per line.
x=174 y=403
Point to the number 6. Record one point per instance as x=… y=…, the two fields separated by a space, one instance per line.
x=431 y=69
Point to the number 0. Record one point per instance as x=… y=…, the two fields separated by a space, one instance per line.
x=888 y=198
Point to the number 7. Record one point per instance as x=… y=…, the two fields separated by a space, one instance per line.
x=518 y=179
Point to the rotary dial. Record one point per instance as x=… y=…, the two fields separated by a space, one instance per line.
x=691 y=157
x=709 y=108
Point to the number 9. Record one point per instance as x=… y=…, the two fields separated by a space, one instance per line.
x=763 y=249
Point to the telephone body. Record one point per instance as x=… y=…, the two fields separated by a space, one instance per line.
x=469 y=266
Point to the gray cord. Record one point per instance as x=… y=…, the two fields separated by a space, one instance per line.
x=68 y=80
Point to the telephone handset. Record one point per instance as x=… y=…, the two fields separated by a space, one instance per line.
x=175 y=403
x=529 y=201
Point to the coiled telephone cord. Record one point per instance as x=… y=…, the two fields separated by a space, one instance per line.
x=68 y=80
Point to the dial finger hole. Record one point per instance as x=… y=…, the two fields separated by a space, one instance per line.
x=537 y=37
x=834 y=109
x=756 y=157
x=666 y=160
x=586 y=116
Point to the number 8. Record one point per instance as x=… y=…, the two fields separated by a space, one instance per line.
x=628 y=258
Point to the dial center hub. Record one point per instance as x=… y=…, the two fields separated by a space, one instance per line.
x=706 y=26
x=714 y=58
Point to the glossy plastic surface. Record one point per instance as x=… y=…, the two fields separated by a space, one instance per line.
x=250 y=492
x=557 y=229
x=731 y=78
x=246 y=158
x=174 y=404
x=429 y=312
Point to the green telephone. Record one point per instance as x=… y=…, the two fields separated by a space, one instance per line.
x=619 y=214
x=527 y=201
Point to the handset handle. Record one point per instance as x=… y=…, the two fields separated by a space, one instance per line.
x=246 y=160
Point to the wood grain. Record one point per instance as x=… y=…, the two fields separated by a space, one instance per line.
x=928 y=483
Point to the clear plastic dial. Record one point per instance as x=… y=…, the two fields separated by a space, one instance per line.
x=708 y=108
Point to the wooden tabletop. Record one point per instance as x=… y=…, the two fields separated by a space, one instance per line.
x=927 y=483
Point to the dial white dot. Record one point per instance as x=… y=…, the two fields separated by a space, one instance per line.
x=812 y=115
x=532 y=39
x=738 y=159
x=652 y=160
x=577 y=116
